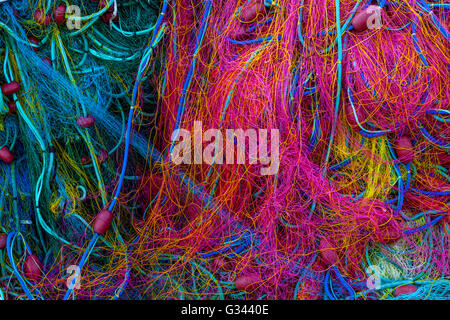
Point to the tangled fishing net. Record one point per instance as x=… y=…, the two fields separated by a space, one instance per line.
x=97 y=95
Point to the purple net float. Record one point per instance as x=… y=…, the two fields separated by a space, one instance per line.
x=362 y=19
x=252 y=11
x=3 y=238
x=40 y=18
x=406 y=289
x=404 y=149
x=103 y=221
x=11 y=107
x=247 y=282
x=327 y=252
x=103 y=156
